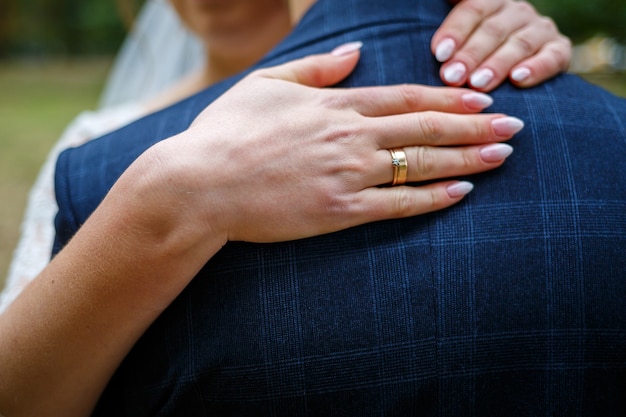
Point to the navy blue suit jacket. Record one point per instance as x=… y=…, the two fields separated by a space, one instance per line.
x=510 y=303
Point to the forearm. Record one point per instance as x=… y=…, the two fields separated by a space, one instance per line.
x=66 y=334
x=291 y=177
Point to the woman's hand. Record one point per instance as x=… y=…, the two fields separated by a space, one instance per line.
x=277 y=158
x=482 y=42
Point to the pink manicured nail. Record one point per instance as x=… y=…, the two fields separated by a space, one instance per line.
x=520 y=74
x=347 y=48
x=481 y=78
x=507 y=126
x=445 y=49
x=477 y=101
x=454 y=73
x=496 y=152
x=459 y=189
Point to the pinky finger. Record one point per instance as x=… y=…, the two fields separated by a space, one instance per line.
x=552 y=59
x=406 y=201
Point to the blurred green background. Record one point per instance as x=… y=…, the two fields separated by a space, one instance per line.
x=55 y=55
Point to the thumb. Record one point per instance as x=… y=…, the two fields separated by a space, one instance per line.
x=318 y=70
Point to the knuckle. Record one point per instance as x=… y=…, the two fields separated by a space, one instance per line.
x=339 y=135
x=356 y=167
x=424 y=162
x=471 y=56
x=496 y=29
x=367 y=97
x=432 y=202
x=334 y=202
x=410 y=96
x=430 y=128
x=548 y=24
x=347 y=164
x=525 y=7
x=342 y=132
x=566 y=41
x=552 y=59
x=468 y=160
x=403 y=202
x=480 y=129
x=478 y=8
x=561 y=58
x=451 y=98
x=332 y=100
x=524 y=45
x=564 y=55
x=337 y=206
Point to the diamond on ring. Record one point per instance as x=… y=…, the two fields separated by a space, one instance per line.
x=400 y=167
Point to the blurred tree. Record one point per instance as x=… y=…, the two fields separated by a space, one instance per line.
x=82 y=27
x=7 y=19
x=582 y=19
x=74 y=27
x=28 y=27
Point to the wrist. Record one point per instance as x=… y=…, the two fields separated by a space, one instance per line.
x=159 y=209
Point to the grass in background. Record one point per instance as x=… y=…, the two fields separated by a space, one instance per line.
x=36 y=104
x=37 y=101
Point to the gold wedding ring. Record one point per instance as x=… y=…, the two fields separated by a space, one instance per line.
x=400 y=167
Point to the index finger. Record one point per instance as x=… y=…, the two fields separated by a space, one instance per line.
x=459 y=25
x=408 y=98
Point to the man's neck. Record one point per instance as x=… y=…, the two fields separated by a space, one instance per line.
x=297 y=9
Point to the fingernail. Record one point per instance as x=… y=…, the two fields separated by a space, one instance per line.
x=507 y=126
x=520 y=74
x=347 y=48
x=459 y=189
x=477 y=101
x=444 y=50
x=481 y=78
x=496 y=152
x=454 y=73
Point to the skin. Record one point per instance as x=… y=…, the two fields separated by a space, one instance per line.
x=99 y=296
x=237 y=33
x=507 y=38
x=175 y=207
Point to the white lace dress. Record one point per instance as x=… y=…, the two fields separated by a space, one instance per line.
x=37 y=230
x=158 y=53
